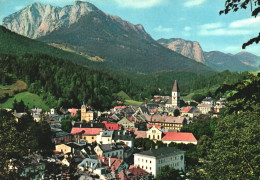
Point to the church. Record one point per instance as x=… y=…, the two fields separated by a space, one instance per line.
x=174 y=101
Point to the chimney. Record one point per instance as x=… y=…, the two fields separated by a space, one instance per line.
x=109 y=161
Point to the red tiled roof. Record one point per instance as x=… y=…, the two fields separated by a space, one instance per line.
x=73 y=112
x=132 y=173
x=186 y=109
x=88 y=131
x=111 y=126
x=140 y=134
x=178 y=136
x=151 y=125
x=115 y=163
x=120 y=107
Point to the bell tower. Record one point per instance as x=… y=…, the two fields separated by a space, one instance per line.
x=175 y=94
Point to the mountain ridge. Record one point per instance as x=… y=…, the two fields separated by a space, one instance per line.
x=124 y=46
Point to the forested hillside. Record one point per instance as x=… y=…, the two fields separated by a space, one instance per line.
x=62 y=83
x=228 y=146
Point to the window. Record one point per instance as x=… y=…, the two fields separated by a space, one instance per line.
x=146 y=160
x=150 y=162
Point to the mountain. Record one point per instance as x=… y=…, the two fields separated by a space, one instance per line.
x=190 y=49
x=240 y=62
x=248 y=58
x=86 y=30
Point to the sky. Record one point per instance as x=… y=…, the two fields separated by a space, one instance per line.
x=195 y=20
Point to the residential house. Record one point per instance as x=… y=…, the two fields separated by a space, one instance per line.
x=61 y=137
x=168 y=137
x=113 y=165
x=73 y=112
x=109 y=150
x=111 y=125
x=205 y=108
x=126 y=123
x=208 y=100
x=124 y=136
x=166 y=122
x=105 y=137
x=134 y=173
x=190 y=111
x=88 y=134
x=153 y=160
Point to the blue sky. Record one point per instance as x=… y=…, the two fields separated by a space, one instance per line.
x=196 y=20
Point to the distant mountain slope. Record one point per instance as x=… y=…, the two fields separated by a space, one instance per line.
x=190 y=49
x=239 y=62
x=85 y=29
x=248 y=58
x=12 y=43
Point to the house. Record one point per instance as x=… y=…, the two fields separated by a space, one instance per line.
x=73 y=112
x=205 y=108
x=105 y=137
x=208 y=100
x=190 y=111
x=134 y=173
x=166 y=122
x=114 y=165
x=153 y=160
x=178 y=137
x=168 y=137
x=71 y=147
x=124 y=136
x=61 y=137
x=111 y=125
x=89 y=164
x=126 y=123
x=109 y=150
x=88 y=134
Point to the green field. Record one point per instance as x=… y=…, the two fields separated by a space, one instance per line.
x=133 y=103
x=30 y=100
x=255 y=73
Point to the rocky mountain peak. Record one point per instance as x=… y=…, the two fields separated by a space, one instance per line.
x=190 y=49
x=38 y=20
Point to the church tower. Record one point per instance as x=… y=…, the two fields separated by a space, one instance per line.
x=83 y=112
x=175 y=94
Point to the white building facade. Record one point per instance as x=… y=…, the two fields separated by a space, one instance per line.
x=153 y=160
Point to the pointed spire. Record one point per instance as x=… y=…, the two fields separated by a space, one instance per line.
x=175 y=87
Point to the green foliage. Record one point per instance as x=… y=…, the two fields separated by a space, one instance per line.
x=60 y=85
x=176 y=112
x=144 y=143
x=201 y=125
x=17 y=139
x=235 y=147
x=198 y=97
x=191 y=154
x=168 y=173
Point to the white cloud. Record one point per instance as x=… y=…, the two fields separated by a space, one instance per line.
x=233 y=48
x=245 y=23
x=138 y=3
x=191 y=3
x=212 y=25
x=187 y=28
x=163 y=29
x=224 y=32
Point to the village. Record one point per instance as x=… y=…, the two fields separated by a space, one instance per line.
x=103 y=145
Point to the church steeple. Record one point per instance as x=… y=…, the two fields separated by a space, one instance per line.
x=175 y=94
x=175 y=87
